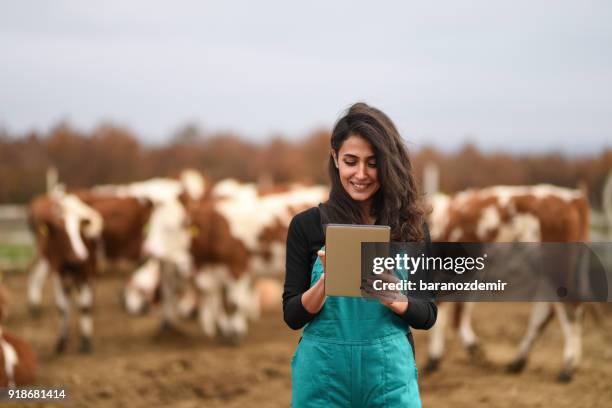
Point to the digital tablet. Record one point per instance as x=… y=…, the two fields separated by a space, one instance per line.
x=343 y=256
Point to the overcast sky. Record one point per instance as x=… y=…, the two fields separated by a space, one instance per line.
x=518 y=75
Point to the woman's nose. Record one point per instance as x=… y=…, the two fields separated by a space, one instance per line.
x=362 y=171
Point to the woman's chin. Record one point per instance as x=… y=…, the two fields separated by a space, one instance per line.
x=361 y=196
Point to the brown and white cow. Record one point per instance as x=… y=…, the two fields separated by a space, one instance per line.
x=124 y=221
x=17 y=358
x=67 y=234
x=167 y=235
x=235 y=237
x=221 y=241
x=541 y=213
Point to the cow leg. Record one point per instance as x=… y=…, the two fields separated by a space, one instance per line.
x=570 y=318
x=254 y=310
x=11 y=360
x=541 y=314
x=168 y=295
x=36 y=283
x=85 y=303
x=208 y=284
x=188 y=303
x=141 y=287
x=61 y=300
x=466 y=332
x=436 y=338
x=238 y=300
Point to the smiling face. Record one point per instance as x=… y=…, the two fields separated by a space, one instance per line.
x=356 y=163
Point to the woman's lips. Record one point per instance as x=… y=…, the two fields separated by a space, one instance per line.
x=360 y=187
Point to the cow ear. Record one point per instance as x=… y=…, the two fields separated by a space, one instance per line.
x=49 y=228
x=43 y=228
x=194 y=231
x=145 y=202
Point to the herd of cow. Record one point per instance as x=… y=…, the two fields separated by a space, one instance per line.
x=195 y=247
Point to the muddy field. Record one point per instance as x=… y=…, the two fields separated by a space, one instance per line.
x=133 y=365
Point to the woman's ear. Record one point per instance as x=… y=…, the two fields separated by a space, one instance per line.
x=333 y=153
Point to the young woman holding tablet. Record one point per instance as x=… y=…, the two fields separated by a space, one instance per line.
x=354 y=352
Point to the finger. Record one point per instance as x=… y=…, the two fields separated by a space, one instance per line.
x=378 y=294
x=321 y=281
x=322 y=256
x=370 y=282
x=391 y=279
x=384 y=299
x=386 y=302
x=386 y=295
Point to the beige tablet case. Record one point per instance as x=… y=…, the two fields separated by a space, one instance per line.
x=343 y=256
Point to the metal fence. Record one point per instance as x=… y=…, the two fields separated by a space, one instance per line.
x=16 y=244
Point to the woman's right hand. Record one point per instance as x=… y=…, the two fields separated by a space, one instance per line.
x=321 y=254
x=314 y=298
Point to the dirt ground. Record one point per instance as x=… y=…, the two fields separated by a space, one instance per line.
x=133 y=366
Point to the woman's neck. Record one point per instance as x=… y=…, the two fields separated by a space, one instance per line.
x=366 y=210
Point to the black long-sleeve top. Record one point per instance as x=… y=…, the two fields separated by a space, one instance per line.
x=304 y=239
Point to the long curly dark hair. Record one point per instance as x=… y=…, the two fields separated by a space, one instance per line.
x=397 y=203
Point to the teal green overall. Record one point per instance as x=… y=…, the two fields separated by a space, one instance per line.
x=354 y=353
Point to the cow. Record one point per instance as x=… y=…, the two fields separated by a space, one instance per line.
x=17 y=358
x=219 y=242
x=169 y=236
x=124 y=221
x=166 y=235
x=236 y=237
x=169 y=241
x=67 y=235
x=125 y=210
x=540 y=213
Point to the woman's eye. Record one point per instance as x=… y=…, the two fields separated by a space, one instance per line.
x=372 y=165
x=350 y=163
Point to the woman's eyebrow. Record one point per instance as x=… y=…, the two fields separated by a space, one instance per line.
x=354 y=156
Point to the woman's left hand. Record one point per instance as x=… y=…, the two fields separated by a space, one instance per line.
x=393 y=299
x=397 y=306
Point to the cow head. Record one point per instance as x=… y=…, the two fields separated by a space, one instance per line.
x=168 y=237
x=66 y=229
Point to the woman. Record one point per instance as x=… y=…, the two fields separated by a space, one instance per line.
x=353 y=352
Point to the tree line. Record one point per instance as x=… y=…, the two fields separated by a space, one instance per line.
x=112 y=154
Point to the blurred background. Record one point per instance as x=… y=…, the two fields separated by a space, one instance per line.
x=485 y=93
